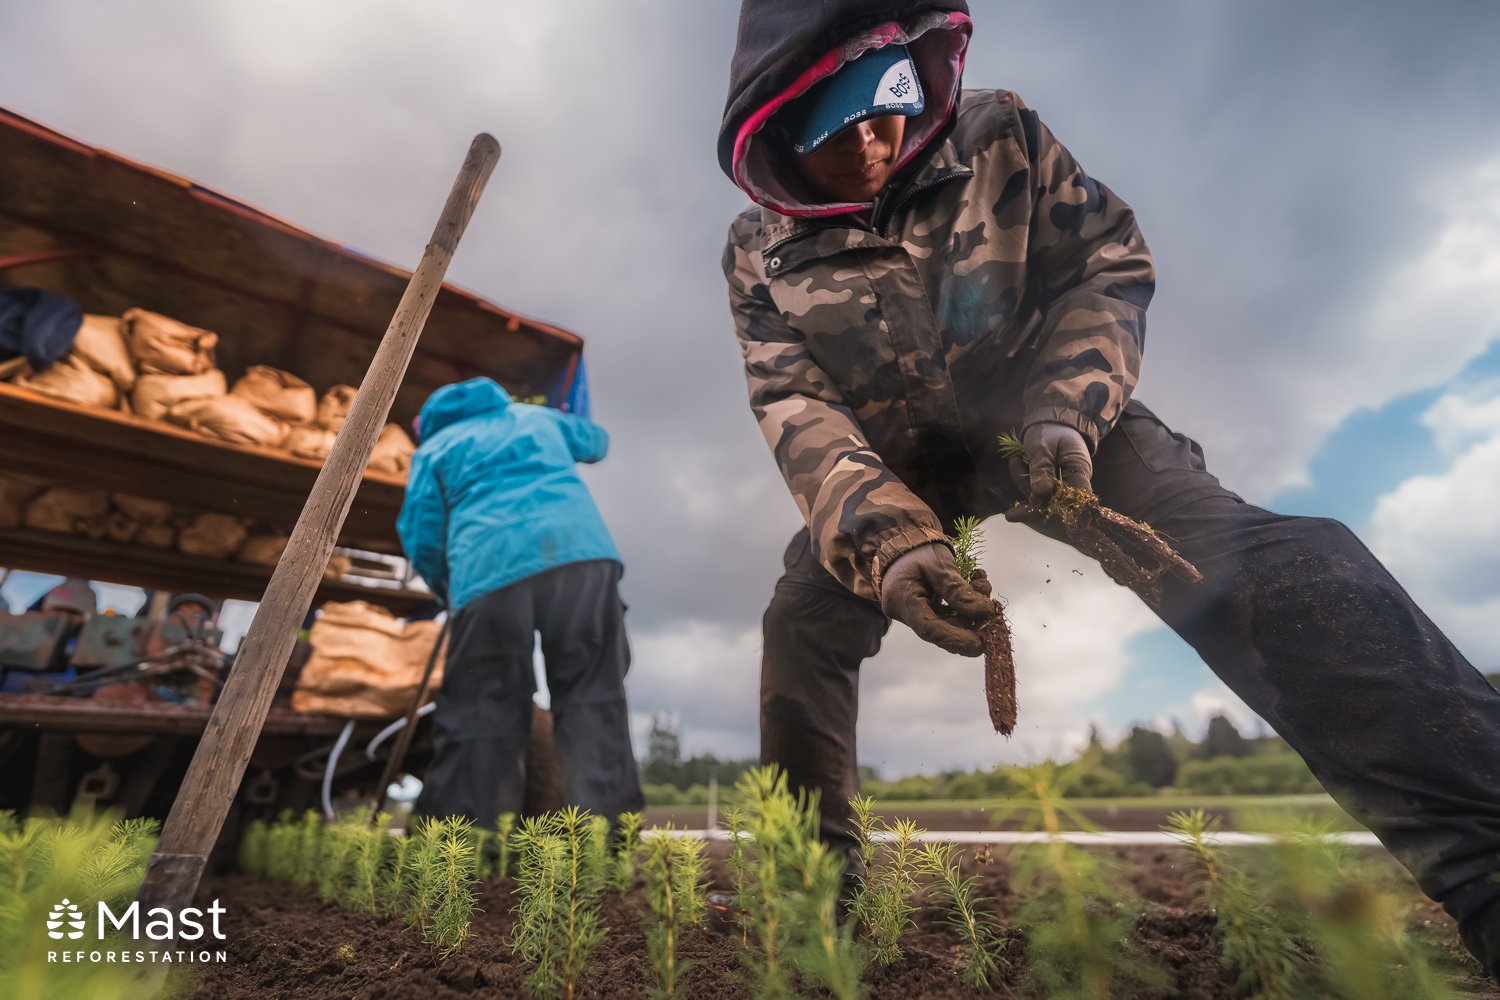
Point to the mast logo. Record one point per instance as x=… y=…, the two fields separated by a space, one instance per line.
x=66 y=914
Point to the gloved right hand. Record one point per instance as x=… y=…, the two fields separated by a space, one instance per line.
x=910 y=591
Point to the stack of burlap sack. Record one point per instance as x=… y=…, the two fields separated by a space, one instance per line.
x=33 y=503
x=365 y=662
x=156 y=367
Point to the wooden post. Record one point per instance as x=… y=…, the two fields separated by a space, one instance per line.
x=213 y=777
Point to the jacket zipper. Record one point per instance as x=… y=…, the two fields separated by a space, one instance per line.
x=882 y=229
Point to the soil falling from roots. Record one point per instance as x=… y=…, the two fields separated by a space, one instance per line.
x=1133 y=554
x=999 y=672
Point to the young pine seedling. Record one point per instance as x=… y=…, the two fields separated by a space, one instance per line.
x=787 y=885
x=362 y=868
x=674 y=870
x=883 y=902
x=254 y=845
x=540 y=863
x=824 y=949
x=505 y=831
x=452 y=906
x=392 y=876
x=561 y=876
x=309 y=848
x=982 y=944
x=627 y=846
x=1262 y=949
x=1076 y=919
x=999 y=660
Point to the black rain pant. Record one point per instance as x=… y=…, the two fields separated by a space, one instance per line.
x=482 y=722
x=1295 y=615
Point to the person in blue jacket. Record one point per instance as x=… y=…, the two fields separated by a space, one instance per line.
x=503 y=530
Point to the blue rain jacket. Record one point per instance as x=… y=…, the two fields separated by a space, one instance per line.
x=493 y=495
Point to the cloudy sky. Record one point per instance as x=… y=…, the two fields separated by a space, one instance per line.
x=1320 y=185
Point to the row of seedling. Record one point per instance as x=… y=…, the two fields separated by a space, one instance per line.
x=1308 y=921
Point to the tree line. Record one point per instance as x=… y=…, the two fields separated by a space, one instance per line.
x=1144 y=762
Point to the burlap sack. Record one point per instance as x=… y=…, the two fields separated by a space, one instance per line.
x=229 y=418
x=365 y=662
x=101 y=345
x=309 y=441
x=16 y=491
x=72 y=379
x=154 y=395
x=333 y=408
x=212 y=536
x=278 y=394
x=393 y=450
x=77 y=512
x=262 y=550
x=162 y=346
x=120 y=527
x=156 y=536
x=141 y=510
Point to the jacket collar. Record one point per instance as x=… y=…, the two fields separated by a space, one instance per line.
x=778 y=231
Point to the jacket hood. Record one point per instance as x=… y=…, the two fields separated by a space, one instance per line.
x=785 y=46
x=460 y=401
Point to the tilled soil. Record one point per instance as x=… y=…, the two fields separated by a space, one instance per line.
x=285 y=943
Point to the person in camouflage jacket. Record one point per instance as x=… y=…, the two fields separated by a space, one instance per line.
x=957 y=274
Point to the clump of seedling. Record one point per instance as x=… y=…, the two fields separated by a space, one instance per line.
x=1261 y=948
x=437 y=883
x=787 y=886
x=883 y=903
x=999 y=660
x=361 y=875
x=1357 y=928
x=674 y=871
x=561 y=875
x=1133 y=554
x=1076 y=919
x=976 y=927
x=53 y=874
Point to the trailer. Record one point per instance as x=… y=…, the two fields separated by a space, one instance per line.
x=114 y=234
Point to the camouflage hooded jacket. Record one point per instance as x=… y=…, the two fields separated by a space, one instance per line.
x=992 y=285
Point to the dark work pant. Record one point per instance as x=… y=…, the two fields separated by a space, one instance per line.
x=1295 y=615
x=483 y=718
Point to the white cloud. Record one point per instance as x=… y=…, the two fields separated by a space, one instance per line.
x=1439 y=534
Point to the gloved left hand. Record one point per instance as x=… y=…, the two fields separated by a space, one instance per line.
x=1052 y=448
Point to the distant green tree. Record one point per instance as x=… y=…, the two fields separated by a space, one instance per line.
x=1223 y=740
x=1151 y=758
x=663 y=753
x=1494 y=679
x=1261 y=774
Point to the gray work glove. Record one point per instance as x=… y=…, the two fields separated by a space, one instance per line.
x=911 y=589
x=1052 y=448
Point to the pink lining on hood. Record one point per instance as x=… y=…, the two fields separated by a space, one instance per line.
x=938 y=44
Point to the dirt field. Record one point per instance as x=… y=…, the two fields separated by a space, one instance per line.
x=287 y=944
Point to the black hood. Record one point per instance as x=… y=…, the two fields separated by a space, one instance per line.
x=780 y=40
